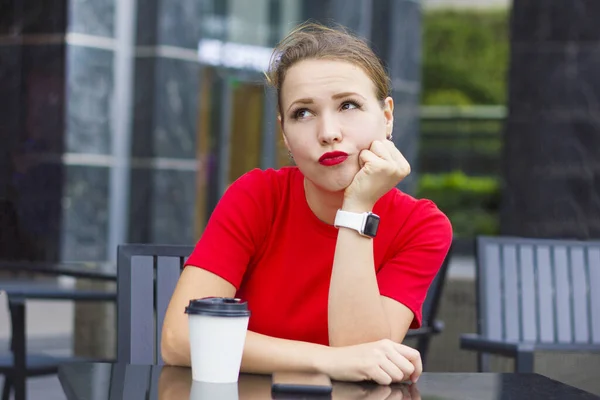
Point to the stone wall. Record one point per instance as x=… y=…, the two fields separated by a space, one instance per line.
x=552 y=136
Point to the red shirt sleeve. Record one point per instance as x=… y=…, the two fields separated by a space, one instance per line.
x=425 y=240
x=236 y=228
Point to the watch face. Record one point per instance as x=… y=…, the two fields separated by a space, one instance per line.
x=371 y=225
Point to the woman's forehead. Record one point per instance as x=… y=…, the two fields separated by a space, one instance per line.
x=325 y=78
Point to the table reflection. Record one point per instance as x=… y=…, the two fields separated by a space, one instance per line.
x=104 y=381
x=176 y=383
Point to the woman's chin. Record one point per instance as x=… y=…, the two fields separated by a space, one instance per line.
x=332 y=185
x=332 y=181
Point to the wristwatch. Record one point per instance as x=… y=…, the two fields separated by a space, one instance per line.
x=364 y=223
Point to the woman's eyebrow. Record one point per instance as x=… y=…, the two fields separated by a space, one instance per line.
x=301 y=101
x=334 y=97
x=346 y=94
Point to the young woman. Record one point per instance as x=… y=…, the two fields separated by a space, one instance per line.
x=334 y=261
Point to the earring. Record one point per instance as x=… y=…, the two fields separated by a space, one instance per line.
x=390 y=137
x=290 y=156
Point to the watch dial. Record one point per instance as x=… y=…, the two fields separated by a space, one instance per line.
x=371 y=225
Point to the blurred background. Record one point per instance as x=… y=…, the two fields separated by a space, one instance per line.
x=124 y=122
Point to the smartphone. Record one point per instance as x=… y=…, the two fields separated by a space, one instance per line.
x=297 y=384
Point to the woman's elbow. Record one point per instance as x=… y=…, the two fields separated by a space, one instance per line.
x=171 y=348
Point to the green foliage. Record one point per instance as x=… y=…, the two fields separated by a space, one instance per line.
x=465 y=57
x=471 y=203
x=453 y=97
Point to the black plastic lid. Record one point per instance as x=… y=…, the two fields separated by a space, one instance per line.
x=218 y=307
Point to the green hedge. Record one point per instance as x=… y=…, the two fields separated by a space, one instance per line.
x=471 y=203
x=465 y=62
x=465 y=57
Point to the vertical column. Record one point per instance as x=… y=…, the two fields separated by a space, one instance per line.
x=124 y=61
x=90 y=86
x=31 y=128
x=402 y=55
x=11 y=46
x=165 y=91
x=551 y=140
x=143 y=87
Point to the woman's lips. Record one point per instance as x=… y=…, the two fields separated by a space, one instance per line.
x=328 y=162
x=333 y=158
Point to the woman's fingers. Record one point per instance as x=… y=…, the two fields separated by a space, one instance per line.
x=395 y=369
x=381 y=377
x=406 y=367
x=414 y=357
x=381 y=150
x=375 y=161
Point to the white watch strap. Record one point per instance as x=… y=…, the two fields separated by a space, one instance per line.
x=350 y=220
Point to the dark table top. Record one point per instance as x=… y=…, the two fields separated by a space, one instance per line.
x=104 y=381
x=53 y=290
x=91 y=270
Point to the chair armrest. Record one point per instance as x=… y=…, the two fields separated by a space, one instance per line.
x=438 y=326
x=422 y=331
x=501 y=347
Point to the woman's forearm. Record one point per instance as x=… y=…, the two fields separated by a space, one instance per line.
x=262 y=354
x=355 y=310
x=265 y=354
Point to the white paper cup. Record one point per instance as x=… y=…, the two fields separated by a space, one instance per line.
x=217 y=329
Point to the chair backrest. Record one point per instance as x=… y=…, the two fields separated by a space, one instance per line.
x=434 y=294
x=538 y=290
x=146 y=278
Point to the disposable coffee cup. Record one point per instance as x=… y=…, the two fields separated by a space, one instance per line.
x=217 y=329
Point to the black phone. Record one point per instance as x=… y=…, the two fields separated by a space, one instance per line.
x=294 y=385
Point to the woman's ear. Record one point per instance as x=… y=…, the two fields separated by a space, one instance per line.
x=282 y=132
x=388 y=114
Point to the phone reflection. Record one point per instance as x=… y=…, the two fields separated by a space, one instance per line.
x=175 y=383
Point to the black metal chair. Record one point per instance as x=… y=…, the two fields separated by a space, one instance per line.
x=146 y=278
x=535 y=294
x=430 y=325
x=19 y=364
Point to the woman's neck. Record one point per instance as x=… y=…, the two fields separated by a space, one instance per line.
x=322 y=203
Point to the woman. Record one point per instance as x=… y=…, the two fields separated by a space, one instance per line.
x=334 y=261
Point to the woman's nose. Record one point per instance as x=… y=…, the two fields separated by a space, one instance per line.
x=329 y=130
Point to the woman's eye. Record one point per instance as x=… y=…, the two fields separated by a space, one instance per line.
x=302 y=113
x=349 y=105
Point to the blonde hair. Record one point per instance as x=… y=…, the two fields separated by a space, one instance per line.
x=316 y=41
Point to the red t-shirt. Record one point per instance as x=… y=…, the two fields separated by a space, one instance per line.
x=263 y=238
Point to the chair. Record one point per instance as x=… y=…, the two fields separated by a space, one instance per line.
x=535 y=294
x=32 y=365
x=19 y=364
x=146 y=278
x=430 y=326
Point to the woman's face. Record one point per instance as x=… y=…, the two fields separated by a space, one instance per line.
x=330 y=106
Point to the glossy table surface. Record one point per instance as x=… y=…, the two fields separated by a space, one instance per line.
x=101 y=381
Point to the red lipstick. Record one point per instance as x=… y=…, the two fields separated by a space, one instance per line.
x=333 y=158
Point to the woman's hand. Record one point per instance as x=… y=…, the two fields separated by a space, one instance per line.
x=384 y=362
x=382 y=168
